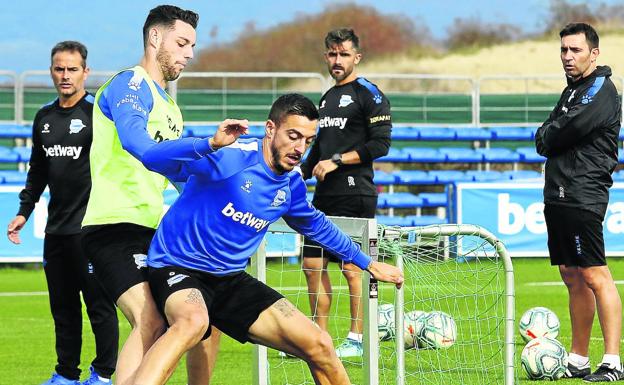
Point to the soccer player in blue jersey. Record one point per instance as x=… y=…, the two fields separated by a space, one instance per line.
x=197 y=259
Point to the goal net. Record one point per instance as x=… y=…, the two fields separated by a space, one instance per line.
x=451 y=323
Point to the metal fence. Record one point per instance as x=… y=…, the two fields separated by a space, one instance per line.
x=207 y=97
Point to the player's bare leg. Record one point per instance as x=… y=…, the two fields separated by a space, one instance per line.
x=285 y=328
x=147 y=325
x=608 y=303
x=319 y=289
x=353 y=275
x=188 y=319
x=201 y=359
x=582 y=306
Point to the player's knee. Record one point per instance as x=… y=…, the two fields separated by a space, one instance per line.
x=191 y=326
x=152 y=326
x=321 y=348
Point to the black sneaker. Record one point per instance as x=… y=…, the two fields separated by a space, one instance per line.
x=605 y=373
x=574 y=371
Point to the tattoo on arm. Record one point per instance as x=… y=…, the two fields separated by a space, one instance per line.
x=285 y=307
x=194 y=297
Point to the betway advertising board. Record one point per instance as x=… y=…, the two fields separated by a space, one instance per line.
x=514 y=213
x=33 y=233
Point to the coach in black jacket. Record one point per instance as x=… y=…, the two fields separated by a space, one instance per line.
x=579 y=140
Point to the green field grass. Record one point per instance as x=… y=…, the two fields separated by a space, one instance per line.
x=27 y=349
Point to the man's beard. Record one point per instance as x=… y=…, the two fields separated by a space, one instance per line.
x=164 y=58
x=276 y=160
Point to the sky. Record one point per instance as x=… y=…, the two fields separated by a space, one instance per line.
x=111 y=30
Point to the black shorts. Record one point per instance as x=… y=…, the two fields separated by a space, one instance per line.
x=234 y=301
x=118 y=253
x=352 y=206
x=574 y=236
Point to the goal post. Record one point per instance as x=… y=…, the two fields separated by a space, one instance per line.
x=459 y=270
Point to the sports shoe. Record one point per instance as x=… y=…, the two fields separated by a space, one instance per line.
x=350 y=348
x=57 y=379
x=574 y=371
x=95 y=379
x=604 y=373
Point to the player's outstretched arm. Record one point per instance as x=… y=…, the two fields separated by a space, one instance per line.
x=386 y=273
x=228 y=131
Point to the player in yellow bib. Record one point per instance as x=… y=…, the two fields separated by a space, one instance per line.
x=132 y=112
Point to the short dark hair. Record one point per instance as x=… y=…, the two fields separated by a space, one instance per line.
x=590 y=33
x=167 y=15
x=339 y=36
x=71 y=46
x=292 y=104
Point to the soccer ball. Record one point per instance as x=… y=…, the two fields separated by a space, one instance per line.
x=412 y=325
x=539 y=322
x=544 y=358
x=385 y=321
x=438 y=331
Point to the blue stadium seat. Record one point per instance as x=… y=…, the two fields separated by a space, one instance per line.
x=498 y=155
x=484 y=176
x=13 y=177
x=201 y=131
x=426 y=220
x=394 y=155
x=255 y=131
x=434 y=199
x=522 y=174
x=529 y=155
x=618 y=176
x=512 y=133
x=405 y=133
x=436 y=133
x=23 y=152
x=472 y=133
x=413 y=177
x=383 y=178
x=400 y=200
x=12 y=130
x=7 y=155
x=424 y=155
x=387 y=220
x=461 y=155
x=449 y=176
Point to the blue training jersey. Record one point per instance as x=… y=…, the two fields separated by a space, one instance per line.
x=230 y=199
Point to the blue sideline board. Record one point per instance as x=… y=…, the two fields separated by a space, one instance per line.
x=514 y=213
x=31 y=248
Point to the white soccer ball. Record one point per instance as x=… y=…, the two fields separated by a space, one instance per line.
x=544 y=358
x=539 y=322
x=413 y=323
x=385 y=321
x=439 y=331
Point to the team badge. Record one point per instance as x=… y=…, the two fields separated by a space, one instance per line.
x=46 y=128
x=280 y=197
x=175 y=279
x=75 y=126
x=246 y=187
x=135 y=82
x=345 y=100
x=140 y=260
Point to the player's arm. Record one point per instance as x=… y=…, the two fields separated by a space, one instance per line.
x=128 y=102
x=312 y=223
x=36 y=181
x=172 y=157
x=584 y=116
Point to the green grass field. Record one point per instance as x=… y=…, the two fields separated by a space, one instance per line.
x=27 y=349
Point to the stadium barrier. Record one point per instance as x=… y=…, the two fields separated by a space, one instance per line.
x=8 y=95
x=461 y=271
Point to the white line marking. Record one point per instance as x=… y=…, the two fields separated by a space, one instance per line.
x=23 y=293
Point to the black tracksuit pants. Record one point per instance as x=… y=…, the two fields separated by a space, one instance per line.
x=68 y=273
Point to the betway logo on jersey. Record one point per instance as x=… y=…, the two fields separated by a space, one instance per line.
x=333 y=122
x=58 y=150
x=246 y=218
